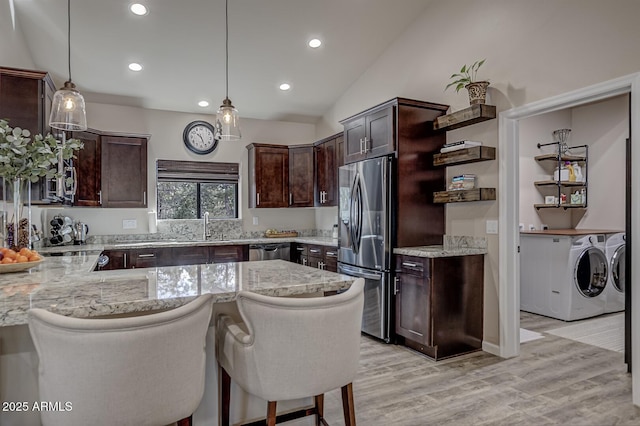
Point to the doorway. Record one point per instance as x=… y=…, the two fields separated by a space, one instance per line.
x=508 y=149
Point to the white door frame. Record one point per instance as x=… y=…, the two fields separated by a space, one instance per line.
x=509 y=235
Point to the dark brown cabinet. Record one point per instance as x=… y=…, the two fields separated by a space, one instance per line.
x=370 y=134
x=316 y=256
x=439 y=304
x=25 y=99
x=174 y=256
x=111 y=170
x=268 y=176
x=301 y=172
x=328 y=154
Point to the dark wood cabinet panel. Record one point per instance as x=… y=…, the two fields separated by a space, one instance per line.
x=316 y=256
x=379 y=133
x=111 y=170
x=439 y=304
x=189 y=255
x=327 y=163
x=118 y=259
x=25 y=99
x=354 y=134
x=149 y=257
x=124 y=171
x=231 y=253
x=88 y=166
x=330 y=259
x=268 y=176
x=301 y=171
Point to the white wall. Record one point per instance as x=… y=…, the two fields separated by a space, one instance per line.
x=604 y=127
x=533 y=50
x=13 y=49
x=166 y=129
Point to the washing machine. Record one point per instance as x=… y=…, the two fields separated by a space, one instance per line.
x=614 y=292
x=563 y=276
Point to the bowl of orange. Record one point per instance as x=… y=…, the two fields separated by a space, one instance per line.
x=14 y=261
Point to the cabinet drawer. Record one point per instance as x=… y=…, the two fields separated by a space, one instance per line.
x=189 y=255
x=411 y=265
x=148 y=258
x=314 y=250
x=300 y=249
x=236 y=253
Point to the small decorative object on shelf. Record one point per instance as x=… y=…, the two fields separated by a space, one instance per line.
x=24 y=160
x=466 y=181
x=274 y=233
x=568 y=181
x=466 y=78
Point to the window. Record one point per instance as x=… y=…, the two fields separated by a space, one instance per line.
x=187 y=189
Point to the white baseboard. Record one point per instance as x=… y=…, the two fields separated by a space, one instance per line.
x=491 y=348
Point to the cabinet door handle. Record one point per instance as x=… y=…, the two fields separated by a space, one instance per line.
x=365 y=145
x=290 y=198
x=361 y=149
x=147 y=255
x=100 y=197
x=320 y=265
x=314 y=251
x=409 y=264
x=300 y=248
x=144 y=197
x=304 y=261
x=257 y=199
x=396 y=288
x=124 y=256
x=331 y=253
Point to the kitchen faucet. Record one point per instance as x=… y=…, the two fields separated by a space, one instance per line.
x=206 y=233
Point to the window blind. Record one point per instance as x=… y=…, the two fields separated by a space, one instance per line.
x=196 y=171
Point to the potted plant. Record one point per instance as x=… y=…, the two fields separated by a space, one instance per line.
x=24 y=160
x=467 y=78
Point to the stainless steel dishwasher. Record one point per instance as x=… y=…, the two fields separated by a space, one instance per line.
x=270 y=251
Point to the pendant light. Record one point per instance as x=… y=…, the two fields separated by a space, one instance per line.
x=67 y=109
x=227 y=117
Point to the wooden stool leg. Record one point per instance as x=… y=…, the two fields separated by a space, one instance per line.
x=225 y=395
x=271 y=413
x=347 y=405
x=187 y=421
x=319 y=402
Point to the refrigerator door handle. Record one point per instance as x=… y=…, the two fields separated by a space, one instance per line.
x=358 y=229
x=359 y=274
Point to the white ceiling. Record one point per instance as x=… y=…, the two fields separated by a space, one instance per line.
x=181 y=46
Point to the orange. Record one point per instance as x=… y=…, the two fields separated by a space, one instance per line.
x=10 y=254
x=25 y=252
x=34 y=257
x=21 y=259
x=6 y=260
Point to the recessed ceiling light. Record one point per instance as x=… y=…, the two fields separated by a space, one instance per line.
x=139 y=9
x=285 y=86
x=203 y=104
x=135 y=66
x=314 y=43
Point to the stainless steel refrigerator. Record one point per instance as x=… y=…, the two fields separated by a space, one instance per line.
x=365 y=237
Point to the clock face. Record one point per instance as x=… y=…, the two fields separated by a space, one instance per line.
x=199 y=137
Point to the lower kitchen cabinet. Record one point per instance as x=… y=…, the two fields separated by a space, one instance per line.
x=439 y=304
x=174 y=256
x=316 y=256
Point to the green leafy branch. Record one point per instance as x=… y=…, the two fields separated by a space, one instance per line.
x=24 y=158
x=466 y=75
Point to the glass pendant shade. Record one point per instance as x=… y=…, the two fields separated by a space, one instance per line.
x=228 y=121
x=67 y=109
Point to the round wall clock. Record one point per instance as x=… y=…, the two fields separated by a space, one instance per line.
x=199 y=137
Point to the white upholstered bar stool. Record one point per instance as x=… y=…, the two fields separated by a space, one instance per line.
x=142 y=370
x=291 y=348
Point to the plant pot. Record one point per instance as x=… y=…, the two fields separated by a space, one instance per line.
x=477 y=92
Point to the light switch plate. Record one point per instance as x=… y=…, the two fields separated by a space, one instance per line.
x=255 y=220
x=492 y=227
x=129 y=224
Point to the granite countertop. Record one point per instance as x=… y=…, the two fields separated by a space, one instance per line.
x=90 y=248
x=67 y=285
x=454 y=245
x=439 y=251
x=572 y=232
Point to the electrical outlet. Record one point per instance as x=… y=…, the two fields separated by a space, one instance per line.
x=129 y=224
x=492 y=227
x=255 y=220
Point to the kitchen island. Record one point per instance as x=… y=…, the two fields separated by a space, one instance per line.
x=67 y=285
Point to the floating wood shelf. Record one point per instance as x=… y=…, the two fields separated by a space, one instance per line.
x=564 y=157
x=466 y=155
x=560 y=206
x=465 y=117
x=561 y=183
x=460 y=196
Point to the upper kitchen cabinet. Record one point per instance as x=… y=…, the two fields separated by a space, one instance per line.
x=301 y=176
x=378 y=130
x=268 y=175
x=329 y=157
x=111 y=170
x=25 y=99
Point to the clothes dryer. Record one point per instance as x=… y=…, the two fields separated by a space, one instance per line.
x=562 y=276
x=614 y=292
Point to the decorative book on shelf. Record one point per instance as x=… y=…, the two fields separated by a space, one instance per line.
x=466 y=155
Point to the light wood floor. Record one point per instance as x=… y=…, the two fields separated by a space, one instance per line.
x=553 y=381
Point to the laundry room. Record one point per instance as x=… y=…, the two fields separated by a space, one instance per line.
x=572 y=207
